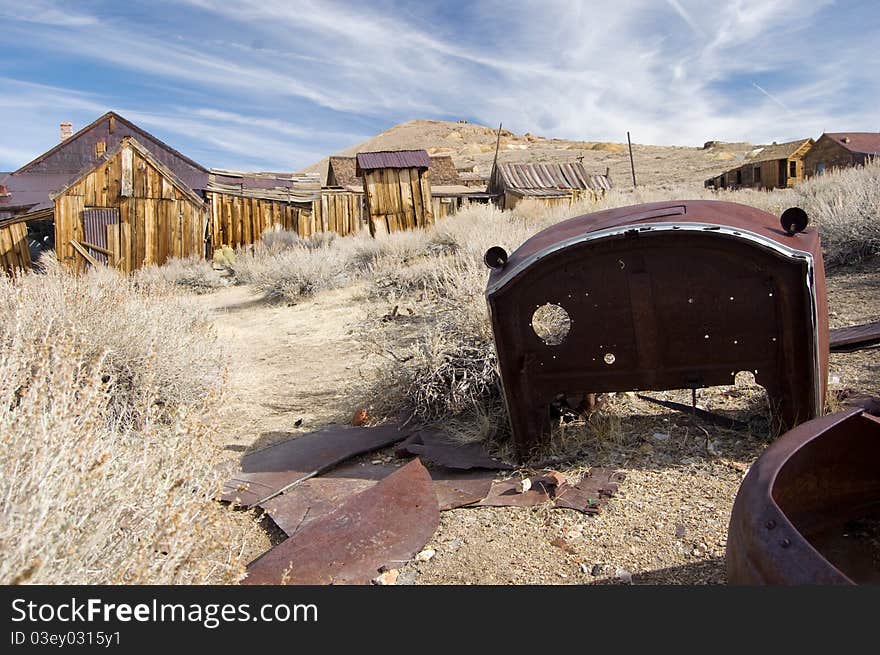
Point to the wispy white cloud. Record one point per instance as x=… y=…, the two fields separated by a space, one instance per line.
x=272 y=81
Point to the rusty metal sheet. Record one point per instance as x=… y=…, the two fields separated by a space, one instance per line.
x=533 y=177
x=855 y=337
x=318 y=496
x=587 y=495
x=461 y=488
x=506 y=493
x=366 y=161
x=387 y=523
x=683 y=294
x=266 y=473
x=808 y=511
x=440 y=449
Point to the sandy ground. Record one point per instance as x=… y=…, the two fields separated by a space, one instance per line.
x=668 y=522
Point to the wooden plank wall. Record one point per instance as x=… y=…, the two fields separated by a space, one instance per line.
x=398 y=199
x=238 y=221
x=14 y=252
x=157 y=220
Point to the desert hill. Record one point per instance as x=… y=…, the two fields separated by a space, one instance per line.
x=472 y=148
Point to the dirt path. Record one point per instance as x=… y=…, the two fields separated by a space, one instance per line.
x=287 y=362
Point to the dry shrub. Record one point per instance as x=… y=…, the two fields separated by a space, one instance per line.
x=108 y=464
x=193 y=273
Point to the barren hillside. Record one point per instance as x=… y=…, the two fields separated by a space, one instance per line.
x=472 y=147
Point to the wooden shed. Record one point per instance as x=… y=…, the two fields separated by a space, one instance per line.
x=398 y=189
x=548 y=184
x=128 y=211
x=777 y=166
x=841 y=150
x=244 y=205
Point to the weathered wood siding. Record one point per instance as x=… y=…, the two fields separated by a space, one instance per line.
x=829 y=153
x=238 y=221
x=341 y=212
x=157 y=219
x=398 y=199
x=14 y=252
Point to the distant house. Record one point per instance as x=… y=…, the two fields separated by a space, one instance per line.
x=51 y=202
x=840 y=150
x=342 y=172
x=776 y=166
x=449 y=192
x=550 y=184
x=397 y=189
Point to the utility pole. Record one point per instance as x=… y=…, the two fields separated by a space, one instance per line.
x=631 y=163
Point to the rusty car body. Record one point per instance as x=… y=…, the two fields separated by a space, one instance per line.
x=671 y=295
x=808 y=511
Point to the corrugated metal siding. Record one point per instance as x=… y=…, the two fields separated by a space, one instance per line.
x=367 y=161
x=551 y=176
x=95 y=222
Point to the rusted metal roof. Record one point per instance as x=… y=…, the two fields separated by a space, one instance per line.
x=534 y=177
x=673 y=295
x=367 y=161
x=268 y=472
x=867 y=143
x=388 y=523
x=808 y=511
x=31 y=185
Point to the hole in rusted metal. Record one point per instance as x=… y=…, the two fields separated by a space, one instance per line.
x=551 y=323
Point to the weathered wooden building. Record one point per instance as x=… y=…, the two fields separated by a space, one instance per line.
x=841 y=150
x=397 y=189
x=548 y=184
x=777 y=166
x=128 y=211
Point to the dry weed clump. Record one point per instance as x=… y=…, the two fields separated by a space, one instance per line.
x=108 y=465
x=193 y=273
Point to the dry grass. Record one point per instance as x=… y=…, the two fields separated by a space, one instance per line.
x=108 y=468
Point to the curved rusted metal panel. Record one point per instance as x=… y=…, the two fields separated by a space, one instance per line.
x=795 y=517
x=682 y=294
x=387 y=523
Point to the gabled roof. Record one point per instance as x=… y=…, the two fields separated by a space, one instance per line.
x=864 y=143
x=368 y=161
x=133 y=143
x=342 y=171
x=571 y=175
x=89 y=136
x=778 y=151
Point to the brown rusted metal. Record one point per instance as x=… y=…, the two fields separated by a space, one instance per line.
x=587 y=495
x=808 y=512
x=385 y=524
x=268 y=472
x=318 y=496
x=368 y=161
x=671 y=295
x=855 y=337
x=439 y=449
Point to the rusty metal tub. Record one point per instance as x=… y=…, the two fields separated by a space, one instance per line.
x=808 y=512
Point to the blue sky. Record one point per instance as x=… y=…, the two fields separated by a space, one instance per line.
x=276 y=85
